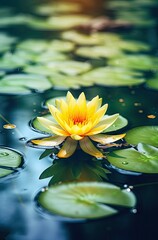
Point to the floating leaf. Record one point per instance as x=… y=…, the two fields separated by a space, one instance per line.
x=6 y=41
x=10 y=160
x=118 y=124
x=37 y=126
x=32 y=45
x=10 y=61
x=13 y=90
x=28 y=81
x=139 y=62
x=152 y=83
x=143 y=134
x=50 y=56
x=71 y=68
x=91 y=39
x=61 y=46
x=144 y=160
x=133 y=46
x=58 y=7
x=113 y=76
x=97 y=52
x=67 y=21
x=87 y=200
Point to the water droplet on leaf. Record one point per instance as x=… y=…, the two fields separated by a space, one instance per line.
x=124 y=163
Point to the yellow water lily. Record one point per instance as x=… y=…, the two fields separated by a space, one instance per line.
x=78 y=122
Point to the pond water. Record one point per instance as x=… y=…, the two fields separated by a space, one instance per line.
x=50 y=55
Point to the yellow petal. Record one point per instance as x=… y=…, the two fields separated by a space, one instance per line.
x=103 y=124
x=76 y=137
x=68 y=148
x=45 y=122
x=50 y=141
x=105 y=139
x=56 y=129
x=53 y=110
x=99 y=114
x=88 y=147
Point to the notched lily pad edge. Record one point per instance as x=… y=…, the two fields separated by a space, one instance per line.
x=16 y=170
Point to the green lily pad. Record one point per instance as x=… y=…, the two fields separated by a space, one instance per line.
x=32 y=45
x=70 y=68
x=113 y=76
x=61 y=46
x=139 y=62
x=10 y=160
x=37 y=126
x=118 y=124
x=133 y=46
x=13 y=20
x=13 y=90
x=6 y=41
x=144 y=160
x=28 y=81
x=91 y=39
x=87 y=200
x=58 y=7
x=152 y=83
x=97 y=52
x=10 y=61
x=143 y=134
x=67 y=21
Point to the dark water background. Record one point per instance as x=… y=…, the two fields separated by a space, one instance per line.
x=19 y=219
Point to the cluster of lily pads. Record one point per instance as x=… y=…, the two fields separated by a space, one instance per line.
x=71 y=59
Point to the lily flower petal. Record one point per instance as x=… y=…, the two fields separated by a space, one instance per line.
x=68 y=148
x=88 y=147
x=45 y=122
x=103 y=124
x=105 y=139
x=56 y=129
x=50 y=141
x=76 y=137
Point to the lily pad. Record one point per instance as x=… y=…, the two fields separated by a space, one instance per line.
x=58 y=7
x=144 y=160
x=87 y=200
x=97 y=52
x=90 y=39
x=13 y=90
x=152 y=83
x=113 y=76
x=70 y=68
x=67 y=21
x=10 y=160
x=27 y=81
x=32 y=45
x=37 y=126
x=6 y=41
x=143 y=134
x=61 y=46
x=139 y=62
x=118 y=124
x=10 y=61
